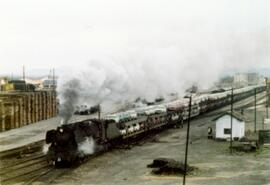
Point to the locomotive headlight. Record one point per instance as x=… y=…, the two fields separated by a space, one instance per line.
x=59 y=159
x=61 y=130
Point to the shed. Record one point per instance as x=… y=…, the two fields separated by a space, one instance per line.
x=223 y=125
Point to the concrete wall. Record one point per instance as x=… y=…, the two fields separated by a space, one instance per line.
x=22 y=108
x=238 y=129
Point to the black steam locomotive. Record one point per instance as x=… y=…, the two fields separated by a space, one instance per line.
x=65 y=141
x=72 y=142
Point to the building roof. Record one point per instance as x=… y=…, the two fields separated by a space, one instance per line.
x=235 y=114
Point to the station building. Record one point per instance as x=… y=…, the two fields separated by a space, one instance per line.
x=223 y=125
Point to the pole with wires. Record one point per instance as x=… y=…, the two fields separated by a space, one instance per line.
x=187 y=139
x=267 y=97
x=255 y=111
x=231 y=139
x=53 y=82
x=25 y=86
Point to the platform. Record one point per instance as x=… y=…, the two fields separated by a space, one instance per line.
x=31 y=133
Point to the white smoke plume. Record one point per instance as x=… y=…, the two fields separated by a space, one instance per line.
x=86 y=147
x=166 y=47
x=150 y=72
x=45 y=148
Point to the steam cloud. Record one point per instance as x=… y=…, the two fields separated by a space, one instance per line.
x=149 y=54
x=160 y=69
x=70 y=95
x=87 y=147
x=45 y=148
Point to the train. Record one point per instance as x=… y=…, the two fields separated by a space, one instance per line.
x=72 y=142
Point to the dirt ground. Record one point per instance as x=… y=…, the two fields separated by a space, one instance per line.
x=216 y=166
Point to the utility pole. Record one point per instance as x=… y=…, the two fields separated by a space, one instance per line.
x=263 y=123
x=255 y=111
x=23 y=73
x=25 y=86
x=267 y=98
x=187 y=140
x=53 y=80
x=231 y=139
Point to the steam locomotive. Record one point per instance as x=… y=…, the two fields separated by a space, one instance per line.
x=71 y=142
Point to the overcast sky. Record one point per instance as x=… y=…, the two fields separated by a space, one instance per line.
x=60 y=33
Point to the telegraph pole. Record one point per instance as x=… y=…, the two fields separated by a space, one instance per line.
x=267 y=98
x=255 y=111
x=231 y=139
x=263 y=123
x=53 y=80
x=187 y=140
x=25 y=86
x=23 y=73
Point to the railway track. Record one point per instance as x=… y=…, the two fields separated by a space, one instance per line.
x=30 y=170
x=21 y=170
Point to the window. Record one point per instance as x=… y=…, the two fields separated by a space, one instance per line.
x=227 y=131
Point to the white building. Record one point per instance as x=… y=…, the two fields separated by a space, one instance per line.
x=245 y=79
x=3 y=80
x=223 y=126
x=240 y=80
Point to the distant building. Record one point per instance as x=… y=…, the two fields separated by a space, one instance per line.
x=17 y=85
x=253 y=78
x=36 y=82
x=20 y=84
x=245 y=79
x=42 y=83
x=223 y=126
x=3 y=81
x=240 y=80
x=49 y=82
